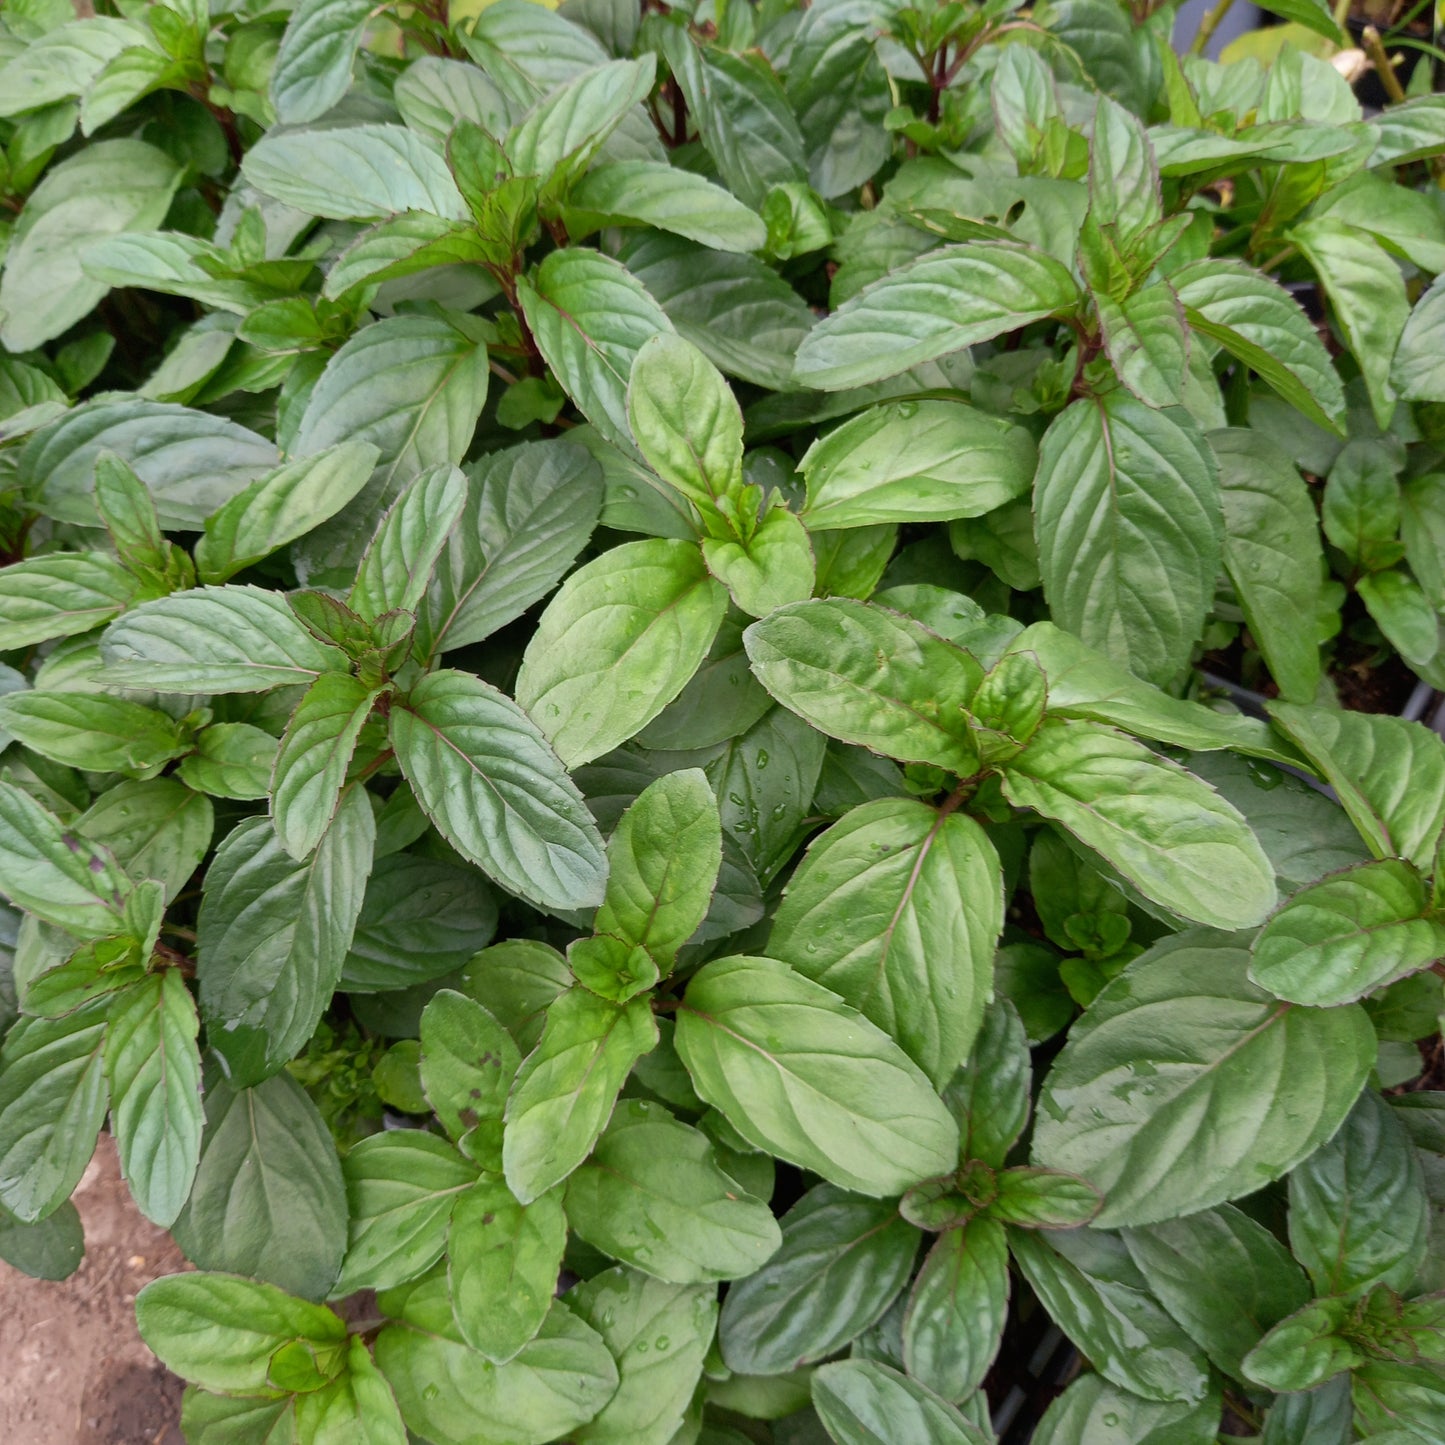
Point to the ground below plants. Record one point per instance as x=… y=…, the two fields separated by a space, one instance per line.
x=76 y=1372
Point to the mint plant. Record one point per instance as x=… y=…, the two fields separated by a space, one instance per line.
x=608 y=782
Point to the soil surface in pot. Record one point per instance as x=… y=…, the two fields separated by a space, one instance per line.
x=76 y=1371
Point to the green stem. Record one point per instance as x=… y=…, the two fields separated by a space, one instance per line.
x=1211 y=22
x=1375 y=49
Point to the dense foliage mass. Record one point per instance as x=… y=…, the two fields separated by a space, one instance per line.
x=603 y=726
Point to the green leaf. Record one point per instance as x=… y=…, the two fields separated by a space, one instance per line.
x=735 y=309
x=47 y=871
x=568 y=1085
x=1409 y=132
x=52 y=1104
x=108 y=187
x=1224 y=1277
x=948 y=299
x=1388 y=774
x=154 y=1070
x=663 y=862
x=315 y=753
x=231 y=760
x=864 y=1403
x=91 y=731
x=773 y=569
x=799 y=1073
x=842 y=1262
x=1261 y=324
x=1184 y=1022
x=503 y=1260
x=1273 y=555
x=1403 y=613
x=553 y=1386
x=354 y=173
x=1399 y=1399
x=865 y=675
x=529 y=512
x=563 y=132
x=421 y=919
x=1093 y=1410
x=654 y=1196
x=617 y=643
x=1147 y=343
x=485 y=775
x=989 y=1096
x=1422 y=530
x=659 y=1335
x=61 y=594
x=897 y=909
x=413 y=386
x=313 y=66
x=155 y=829
x=50 y=1249
x=397 y=567
x=1305 y=1350
x=282 y=506
x=433 y=94
x=1092 y=1289
x=401 y=1187
x=268 y=1199
x=220 y=1331
x=956 y=1309
x=742 y=115
x=1367 y=295
x=274 y=933
x=915 y=461
x=589 y=317
x=468 y=1063
x=687 y=425
x=645 y=193
x=356 y=1406
x=1170 y=835
x=722 y=701
x=1417 y=371
x=1361 y=512
x=129 y=514
x=1130 y=530
x=214 y=640
x=1358 y=1212
x=1341 y=938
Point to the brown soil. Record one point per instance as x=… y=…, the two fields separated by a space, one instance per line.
x=76 y=1372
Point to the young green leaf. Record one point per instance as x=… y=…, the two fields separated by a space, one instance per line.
x=798 y=1072
x=129 y=514
x=663 y=861
x=654 y=1196
x=951 y=298
x=468 y=1064
x=274 y=932
x=568 y=1085
x=231 y=760
x=154 y=1070
x=1147 y=343
x=485 y=775
x=1163 y=1153
x=1171 y=836
x=897 y=909
x=617 y=643
x=357 y=1405
x=863 y=674
x=773 y=569
x=842 y=1262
